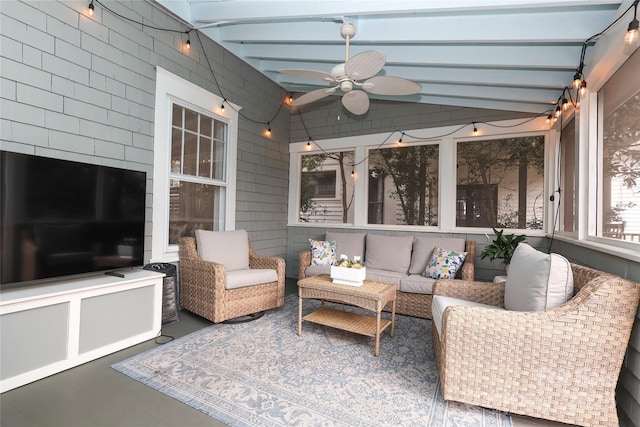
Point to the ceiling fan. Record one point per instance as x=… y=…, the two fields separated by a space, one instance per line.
x=355 y=77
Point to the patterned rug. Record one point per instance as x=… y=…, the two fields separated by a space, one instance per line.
x=263 y=374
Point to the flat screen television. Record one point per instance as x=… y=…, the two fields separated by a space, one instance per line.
x=61 y=218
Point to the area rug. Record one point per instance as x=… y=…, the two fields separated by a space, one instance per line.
x=263 y=374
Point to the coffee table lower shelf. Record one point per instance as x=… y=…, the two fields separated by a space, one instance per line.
x=351 y=322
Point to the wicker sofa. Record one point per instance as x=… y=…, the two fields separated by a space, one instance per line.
x=560 y=364
x=414 y=290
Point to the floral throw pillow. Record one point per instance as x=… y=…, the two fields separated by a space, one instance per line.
x=323 y=252
x=444 y=264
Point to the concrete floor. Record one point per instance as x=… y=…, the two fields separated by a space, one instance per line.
x=94 y=394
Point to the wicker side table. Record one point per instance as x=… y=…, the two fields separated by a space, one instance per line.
x=373 y=296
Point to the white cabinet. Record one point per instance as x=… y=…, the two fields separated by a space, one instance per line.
x=55 y=326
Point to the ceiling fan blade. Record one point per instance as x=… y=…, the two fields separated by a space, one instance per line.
x=389 y=85
x=309 y=74
x=314 y=95
x=356 y=101
x=365 y=65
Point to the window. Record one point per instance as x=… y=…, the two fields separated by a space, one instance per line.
x=194 y=164
x=326 y=187
x=619 y=198
x=568 y=177
x=197 y=179
x=403 y=185
x=500 y=183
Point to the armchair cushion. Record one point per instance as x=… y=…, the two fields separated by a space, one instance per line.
x=444 y=264
x=230 y=248
x=241 y=278
x=537 y=281
x=389 y=253
x=323 y=252
x=349 y=244
x=441 y=303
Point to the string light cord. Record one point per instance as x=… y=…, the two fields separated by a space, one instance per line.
x=141 y=23
x=215 y=80
x=188 y=32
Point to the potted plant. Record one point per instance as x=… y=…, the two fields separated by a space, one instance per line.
x=502 y=247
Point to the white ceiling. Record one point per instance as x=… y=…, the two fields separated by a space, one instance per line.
x=514 y=55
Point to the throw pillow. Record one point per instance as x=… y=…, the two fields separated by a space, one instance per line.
x=444 y=264
x=537 y=281
x=323 y=252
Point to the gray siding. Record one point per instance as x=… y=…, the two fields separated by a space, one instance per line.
x=83 y=89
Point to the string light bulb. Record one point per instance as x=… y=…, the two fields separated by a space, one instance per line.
x=91 y=8
x=549 y=117
x=558 y=111
x=577 y=80
x=583 y=88
x=222 y=105
x=632 y=31
x=475 y=129
x=400 y=140
x=290 y=98
x=565 y=104
x=268 y=128
x=187 y=44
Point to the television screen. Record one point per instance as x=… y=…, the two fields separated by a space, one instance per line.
x=60 y=218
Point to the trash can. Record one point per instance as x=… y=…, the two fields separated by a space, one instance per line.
x=170 y=299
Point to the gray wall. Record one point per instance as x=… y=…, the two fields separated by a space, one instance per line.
x=82 y=88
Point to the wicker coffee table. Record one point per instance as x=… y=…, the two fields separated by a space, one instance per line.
x=373 y=296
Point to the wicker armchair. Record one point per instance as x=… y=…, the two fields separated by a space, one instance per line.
x=203 y=291
x=561 y=364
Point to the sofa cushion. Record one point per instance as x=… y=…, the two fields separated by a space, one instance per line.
x=537 y=281
x=349 y=244
x=241 y=278
x=417 y=284
x=440 y=303
x=423 y=249
x=389 y=252
x=384 y=276
x=230 y=248
x=323 y=252
x=444 y=263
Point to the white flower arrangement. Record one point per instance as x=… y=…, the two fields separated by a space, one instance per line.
x=344 y=261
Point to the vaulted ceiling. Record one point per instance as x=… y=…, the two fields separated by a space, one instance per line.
x=514 y=55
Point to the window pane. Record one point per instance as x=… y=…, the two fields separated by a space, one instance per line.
x=218 y=160
x=620 y=101
x=500 y=183
x=568 y=176
x=190 y=160
x=193 y=206
x=326 y=187
x=176 y=150
x=403 y=185
x=205 y=157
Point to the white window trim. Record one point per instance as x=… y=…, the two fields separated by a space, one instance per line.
x=171 y=87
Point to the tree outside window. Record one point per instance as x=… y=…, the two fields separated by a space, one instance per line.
x=500 y=183
x=326 y=187
x=403 y=185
